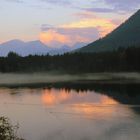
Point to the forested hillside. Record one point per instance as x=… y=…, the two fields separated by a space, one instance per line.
x=126 y=35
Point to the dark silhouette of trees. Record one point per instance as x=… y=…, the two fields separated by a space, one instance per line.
x=116 y=61
x=7 y=130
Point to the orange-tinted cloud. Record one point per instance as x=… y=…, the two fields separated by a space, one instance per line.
x=51 y=35
x=104 y=26
x=86 y=29
x=67 y=36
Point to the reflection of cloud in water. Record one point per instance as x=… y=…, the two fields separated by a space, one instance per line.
x=86 y=103
x=96 y=112
x=107 y=101
x=53 y=97
x=69 y=114
x=104 y=108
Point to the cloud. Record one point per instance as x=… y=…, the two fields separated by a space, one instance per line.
x=103 y=26
x=58 y=36
x=112 y=6
x=123 y=5
x=118 y=6
x=52 y=38
x=100 y=10
x=85 y=15
x=58 y=2
x=84 y=30
x=16 y=1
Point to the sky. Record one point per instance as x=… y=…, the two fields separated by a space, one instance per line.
x=57 y=22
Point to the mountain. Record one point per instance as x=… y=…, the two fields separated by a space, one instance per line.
x=34 y=47
x=61 y=50
x=66 y=48
x=12 y=45
x=23 y=48
x=79 y=45
x=126 y=35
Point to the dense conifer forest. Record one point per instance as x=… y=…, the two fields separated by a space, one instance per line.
x=122 y=60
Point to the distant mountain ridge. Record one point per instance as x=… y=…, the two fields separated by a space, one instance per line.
x=126 y=35
x=34 y=48
x=23 y=48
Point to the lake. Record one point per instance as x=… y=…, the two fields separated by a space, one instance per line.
x=74 y=112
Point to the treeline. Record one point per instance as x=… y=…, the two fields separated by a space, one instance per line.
x=121 y=60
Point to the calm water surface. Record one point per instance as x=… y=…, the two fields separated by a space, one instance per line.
x=62 y=114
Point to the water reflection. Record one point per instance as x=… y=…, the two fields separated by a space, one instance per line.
x=74 y=112
x=53 y=97
x=63 y=96
x=87 y=103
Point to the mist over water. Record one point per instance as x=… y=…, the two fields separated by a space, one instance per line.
x=55 y=77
